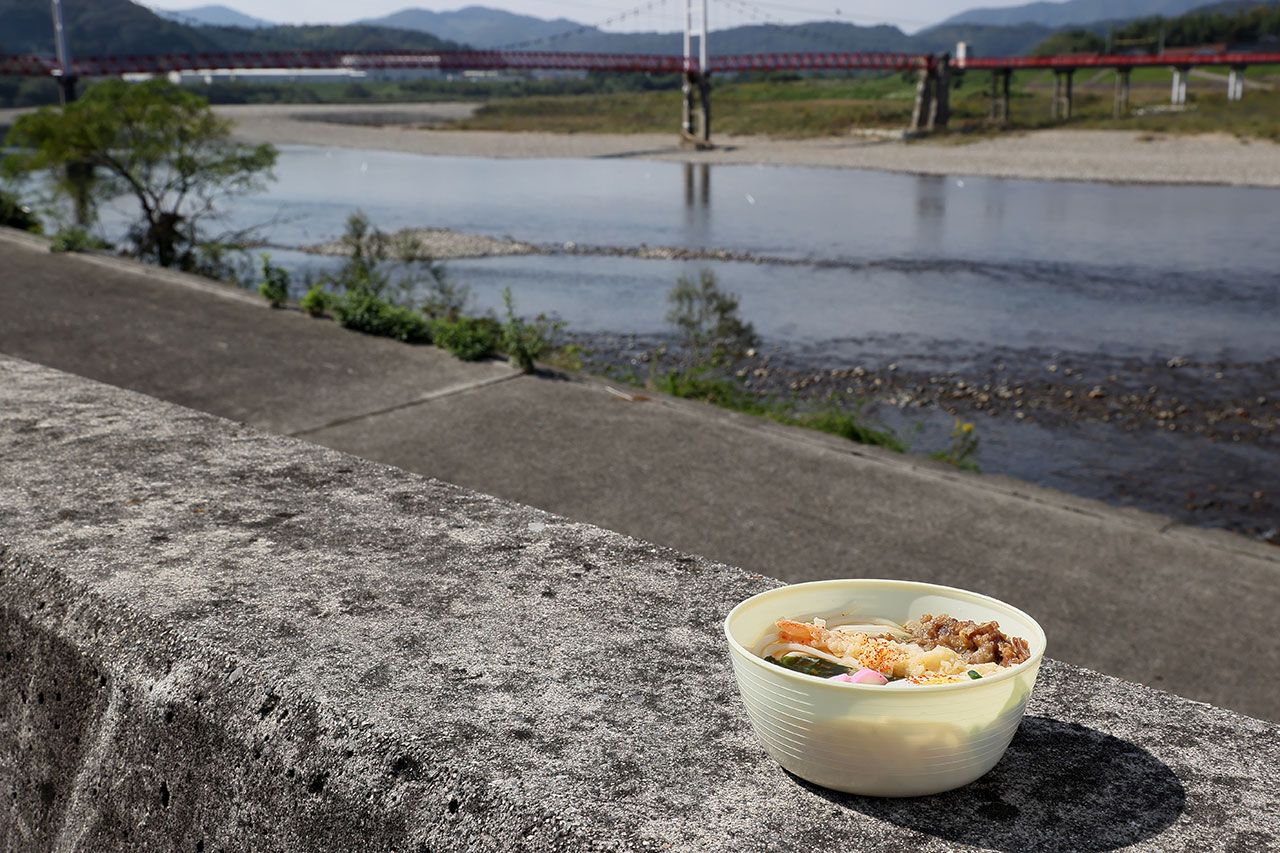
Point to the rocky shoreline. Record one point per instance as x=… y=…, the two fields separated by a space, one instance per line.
x=446 y=244
x=1217 y=462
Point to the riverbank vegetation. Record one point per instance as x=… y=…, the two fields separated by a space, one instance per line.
x=810 y=107
x=711 y=337
x=389 y=288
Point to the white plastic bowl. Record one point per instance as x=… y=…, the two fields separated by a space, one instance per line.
x=880 y=741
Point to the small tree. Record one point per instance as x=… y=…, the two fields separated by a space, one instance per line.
x=707 y=319
x=154 y=141
x=274 y=286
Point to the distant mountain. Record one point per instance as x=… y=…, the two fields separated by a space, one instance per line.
x=213 y=16
x=324 y=37
x=479 y=26
x=118 y=27
x=95 y=26
x=1074 y=13
x=818 y=36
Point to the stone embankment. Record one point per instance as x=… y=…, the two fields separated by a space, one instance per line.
x=217 y=639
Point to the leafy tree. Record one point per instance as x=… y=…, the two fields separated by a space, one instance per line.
x=154 y=141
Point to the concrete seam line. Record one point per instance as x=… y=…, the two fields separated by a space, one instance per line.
x=38 y=243
x=451 y=391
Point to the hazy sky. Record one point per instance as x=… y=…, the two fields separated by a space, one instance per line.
x=666 y=14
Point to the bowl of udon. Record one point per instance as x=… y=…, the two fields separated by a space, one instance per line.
x=883 y=688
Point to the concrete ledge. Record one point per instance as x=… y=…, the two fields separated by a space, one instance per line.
x=217 y=639
x=105 y=260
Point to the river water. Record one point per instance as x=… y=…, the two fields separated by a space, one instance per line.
x=1154 y=300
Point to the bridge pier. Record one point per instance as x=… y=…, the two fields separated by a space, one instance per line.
x=704 y=101
x=924 y=100
x=1001 y=82
x=1124 y=87
x=696 y=130
x=940 y=116
x=1063 y=93
x=1179 y=94
x=686 y=113
x=933 y=95
x=1235 y=83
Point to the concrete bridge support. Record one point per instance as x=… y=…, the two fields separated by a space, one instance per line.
x=1235 y=83
x=687 y=109
x=1179 y=93
x=1124 y=88
x=704 y=102
x=695 y=122
x=1001 y=82
x=933 y=96
x=1063 y=93
x=941 y=115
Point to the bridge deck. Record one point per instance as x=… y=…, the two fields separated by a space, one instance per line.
x=33 y=65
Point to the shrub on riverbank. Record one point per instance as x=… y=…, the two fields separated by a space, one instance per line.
x=712 y=335
x=707 y=319
x=468 y=338
x=363 y=310
x=73 y=239
x=317 y=301
x=275 y=283
x=526 y=341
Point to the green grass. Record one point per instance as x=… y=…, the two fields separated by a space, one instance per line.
x=697 y=385
x=820 y=107
x=800 y=109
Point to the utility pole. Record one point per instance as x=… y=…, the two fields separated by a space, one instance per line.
x=698 y=76
x=66 y=78
x=79 y=174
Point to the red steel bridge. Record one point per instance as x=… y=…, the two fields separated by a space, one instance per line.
x=459 y=60
x=931 y=102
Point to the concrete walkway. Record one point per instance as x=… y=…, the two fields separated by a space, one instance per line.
x=1127 y=593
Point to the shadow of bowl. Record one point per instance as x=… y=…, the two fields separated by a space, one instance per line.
x=1060 y=787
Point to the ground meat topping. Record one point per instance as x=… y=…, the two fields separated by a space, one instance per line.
x=976 y=643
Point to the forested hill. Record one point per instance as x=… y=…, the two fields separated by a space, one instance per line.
x=1074 y=13
x=1237 y=24
x=120 y=27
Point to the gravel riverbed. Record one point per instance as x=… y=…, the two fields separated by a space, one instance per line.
x=1056 y=154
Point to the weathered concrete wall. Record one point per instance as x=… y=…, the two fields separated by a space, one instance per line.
x=214 y=639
